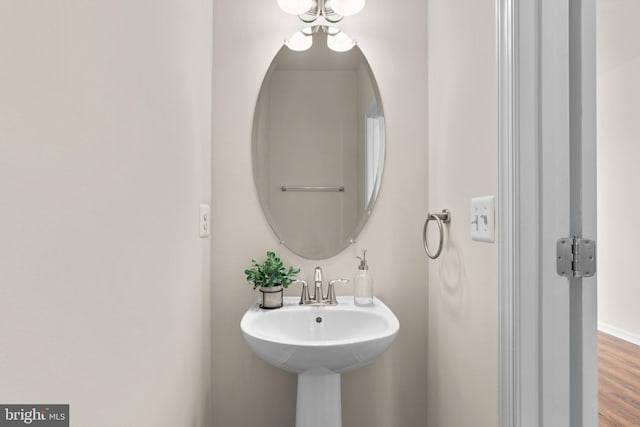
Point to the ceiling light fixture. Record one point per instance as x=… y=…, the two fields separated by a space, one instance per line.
x=337 y=40
x=295 y=7
x=347 y=7
x=301 y=40
x=331 y=10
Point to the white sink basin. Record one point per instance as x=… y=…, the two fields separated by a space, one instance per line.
x=338 y=338
x=319 y=343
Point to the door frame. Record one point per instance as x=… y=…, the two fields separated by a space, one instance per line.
x=545 y=52
x=517 y=246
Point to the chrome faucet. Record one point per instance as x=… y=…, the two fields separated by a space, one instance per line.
x=318 y=298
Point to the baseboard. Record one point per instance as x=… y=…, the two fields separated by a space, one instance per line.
x=620 y=333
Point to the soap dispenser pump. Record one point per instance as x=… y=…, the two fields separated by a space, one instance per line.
x=363 y=283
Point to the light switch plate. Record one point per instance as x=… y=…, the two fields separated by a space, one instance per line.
x=205 y=220
x=483 y=219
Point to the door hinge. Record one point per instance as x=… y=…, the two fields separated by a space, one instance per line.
x=575 y=257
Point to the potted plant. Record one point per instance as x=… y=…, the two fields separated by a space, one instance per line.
x=271 y=276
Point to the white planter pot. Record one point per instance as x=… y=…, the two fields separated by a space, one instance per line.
x=271 y=297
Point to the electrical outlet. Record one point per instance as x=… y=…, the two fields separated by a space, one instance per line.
x=483 y=219
x=205 y=221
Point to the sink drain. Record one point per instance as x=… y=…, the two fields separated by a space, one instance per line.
x=318 y=319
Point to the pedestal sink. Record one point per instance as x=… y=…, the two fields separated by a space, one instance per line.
x=318 y=344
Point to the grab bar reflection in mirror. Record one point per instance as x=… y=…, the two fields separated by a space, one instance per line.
x=328 y=189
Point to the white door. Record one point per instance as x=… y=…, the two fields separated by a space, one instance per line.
x=547 y=187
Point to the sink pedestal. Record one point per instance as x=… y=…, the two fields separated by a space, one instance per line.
x=318 y=403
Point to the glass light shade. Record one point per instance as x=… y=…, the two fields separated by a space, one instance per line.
x=295 y=7
x=299 y=41
x=332 y=31
x=347 y=7
x=340 y=42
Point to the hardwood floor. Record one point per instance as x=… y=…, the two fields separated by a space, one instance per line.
x=618 y=382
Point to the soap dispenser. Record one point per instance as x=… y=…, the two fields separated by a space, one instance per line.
x=363 y=283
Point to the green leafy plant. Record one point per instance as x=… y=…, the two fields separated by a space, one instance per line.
x=270 y=273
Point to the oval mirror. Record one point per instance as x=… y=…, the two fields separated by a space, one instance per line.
x=318 y=147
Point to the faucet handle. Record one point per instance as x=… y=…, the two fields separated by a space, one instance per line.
x=331 y=292
x=305 y=291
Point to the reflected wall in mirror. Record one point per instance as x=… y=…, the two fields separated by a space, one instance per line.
x=318 y=147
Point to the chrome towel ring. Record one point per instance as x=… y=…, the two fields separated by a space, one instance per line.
x=439 y=218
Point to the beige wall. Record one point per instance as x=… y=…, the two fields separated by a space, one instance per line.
x=618 y=79
x=393 y=390
x=462 y=165
x=104 y=158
